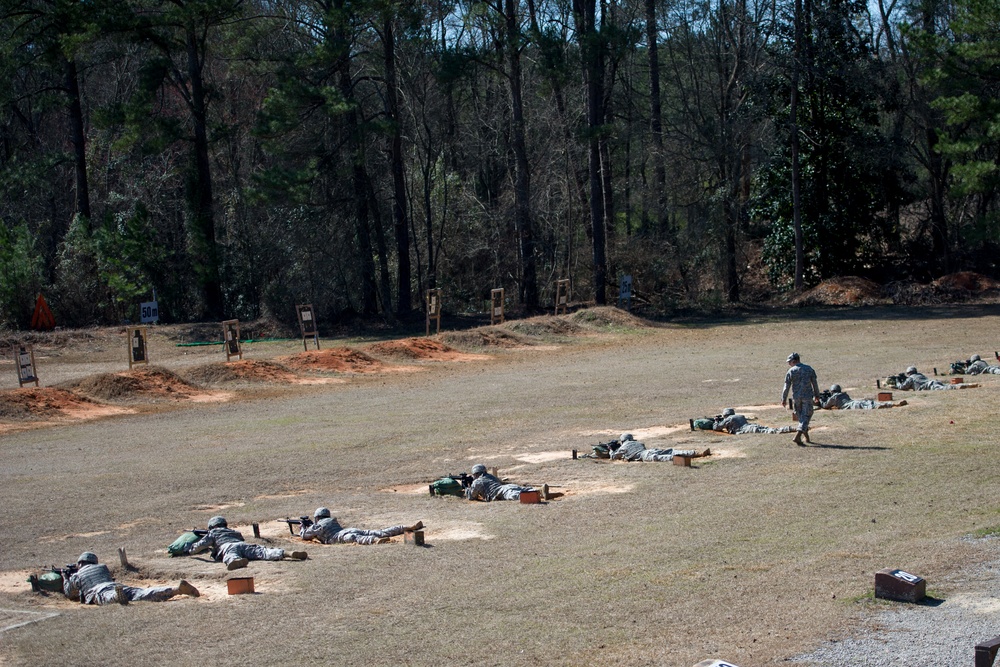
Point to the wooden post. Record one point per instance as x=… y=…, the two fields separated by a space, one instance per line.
x=231 y=339
x=433 y=301
x=137 y=349
x=24 y=359
x=256 y=529
x=496 y=306
x=123 y=557
x=307 y=324
x=562 y=295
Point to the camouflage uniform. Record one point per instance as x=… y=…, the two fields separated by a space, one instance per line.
x=329 y=531
x=488 y=488
x=920 y=382
x=633 y=450
x=227 y=545
x=980 y=366
x=841 y=401
x=738 y=425
x=95 y=585
x=801 y=380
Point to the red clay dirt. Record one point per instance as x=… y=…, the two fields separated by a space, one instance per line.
x=245 y=370
x=967 y=280
x=337 y=359
x=420 y=348
x=152 y=382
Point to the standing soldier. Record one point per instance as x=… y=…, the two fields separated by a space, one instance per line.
x=801 y=379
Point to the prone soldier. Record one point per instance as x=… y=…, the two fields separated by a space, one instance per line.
x=488 y=488
x=836 y=399
x=630 y=449
x=737 y=424
x=229 y=547
x=91 y=582
x=326 y=529
x=917 y=381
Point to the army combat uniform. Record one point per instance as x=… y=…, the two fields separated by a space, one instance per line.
x=633 y=450
x=979 y=367
x=228 y=546
x=801 y=381
x=841 y=401
x=94 y=584
x=329 y=531
x=738 y=425
x=920 y=382
x=488 y=488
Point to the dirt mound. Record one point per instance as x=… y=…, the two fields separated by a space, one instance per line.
x=841 y=291
x=245 y=370
x=151 y=382
x=39 y=403
x=608 y=317
x=544 y=325
x=486 y=337
x=338 y=359
x=967 y=280
x=413 y=348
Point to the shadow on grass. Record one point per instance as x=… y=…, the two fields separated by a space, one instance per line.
x=833 y=446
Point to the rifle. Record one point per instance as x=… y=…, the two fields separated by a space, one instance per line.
x=824 y=396
x=65 y=572
x=303 y=521
x=462 y=478
x=959 y=367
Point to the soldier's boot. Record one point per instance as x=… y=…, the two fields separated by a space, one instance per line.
x=798 y=439
x=415 y=527
x=901 y=403
x=237 y=564
x=806 y=435
x=383 y=540
x=296 y=555
x=121 y=597
x=707 y=452
x=185 y=588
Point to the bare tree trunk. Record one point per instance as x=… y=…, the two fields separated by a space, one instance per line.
x=796 y=176
x=400 y=214
x=79 y=139
x=656 y=117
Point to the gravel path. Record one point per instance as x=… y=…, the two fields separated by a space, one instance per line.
x=942 y=633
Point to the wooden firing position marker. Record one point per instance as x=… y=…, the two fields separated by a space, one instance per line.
x=231 y=339
x=240 y=585
x=532 y=497
x=684 y=461
x=416 y=538
x=884 y=396
x=895 y=584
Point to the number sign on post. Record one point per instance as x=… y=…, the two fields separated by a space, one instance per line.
x=625 y=292
x=433 y=309
x=562 y=295
x=307 y=324
x=496 y=306
x=137 y=347
x=149 y=311
x=231 y=339
x=24 y=356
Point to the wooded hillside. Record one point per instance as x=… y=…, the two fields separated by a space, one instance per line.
x=241 y=156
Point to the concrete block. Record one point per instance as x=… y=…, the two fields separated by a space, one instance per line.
x=895 y=584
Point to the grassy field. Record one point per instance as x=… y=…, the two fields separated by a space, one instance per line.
x=755 y=555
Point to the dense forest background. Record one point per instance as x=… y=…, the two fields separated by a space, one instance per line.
x=241 y=156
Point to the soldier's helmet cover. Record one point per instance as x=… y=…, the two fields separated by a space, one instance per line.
x=217 y=522
x=911 y=370
x=835 y=388
x=478 y=469
x=625 y=437
x=794 y=356
x=728 y=412
x=88 y=557
x=321 y=513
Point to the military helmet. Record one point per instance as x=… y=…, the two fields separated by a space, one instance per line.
x=975 y=357
x=728 y=412
x=911 y=370
x=217 y=522
x=794 y=356
x=834 y=388
x=625 y=437
x=321 y=513
x=479 y=469
x=88 y=557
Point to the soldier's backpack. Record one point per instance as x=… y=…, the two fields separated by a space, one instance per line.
x=51 y=581
x=601 y=451
x=447 y=486
x=704 y=424
x=176 y=548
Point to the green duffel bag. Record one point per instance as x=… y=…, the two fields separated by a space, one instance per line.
x=51 y=581
x=602 y=451
x=176 y=548
x=447 y=486
x=704 y=424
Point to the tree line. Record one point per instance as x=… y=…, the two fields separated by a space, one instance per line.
x=241 y=156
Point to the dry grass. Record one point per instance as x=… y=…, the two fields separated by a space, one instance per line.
x=755 y=555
